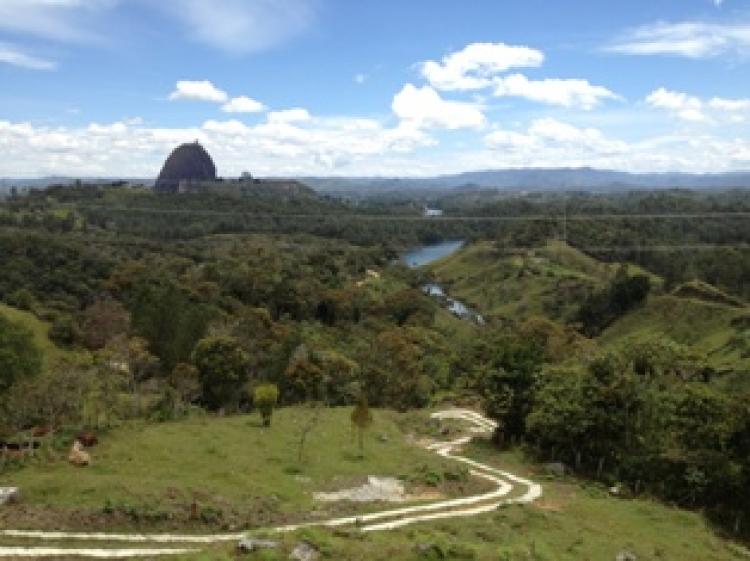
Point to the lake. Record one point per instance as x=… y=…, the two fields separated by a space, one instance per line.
x=427 y=254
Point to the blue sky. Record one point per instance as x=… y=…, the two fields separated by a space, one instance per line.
x=342 y=87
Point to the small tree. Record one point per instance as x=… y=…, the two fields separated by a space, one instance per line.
x=222 y=367
x=361 y=421
x=265 y=398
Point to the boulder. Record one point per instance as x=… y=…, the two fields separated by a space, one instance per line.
x=9 y=495
x=249 y=544
x=77 y=456
x=305 y=551
x=626 y=555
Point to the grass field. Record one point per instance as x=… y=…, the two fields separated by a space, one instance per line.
x=240 y=473
x=229 y=463
x=572 y=522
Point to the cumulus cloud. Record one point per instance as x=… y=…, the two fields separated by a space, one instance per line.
x=551 y=135
x=243 y=104
x=691 y=108
x=424 y=108
x=198 y=90
x=295 y=115
x=10 y=54
x=568 y=93
x=687 y=39
x=681 y=105
x=473 y=67
x=552 y=143
x=242 y=26
x=131 y=149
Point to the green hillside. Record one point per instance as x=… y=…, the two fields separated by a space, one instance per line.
x=517 y=285
x=719 y=331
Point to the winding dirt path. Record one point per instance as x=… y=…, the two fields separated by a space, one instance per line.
x=506 y=483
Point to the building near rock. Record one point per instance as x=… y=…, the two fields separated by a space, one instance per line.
x=187 y=164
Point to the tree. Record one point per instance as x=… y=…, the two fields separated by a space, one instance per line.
x=223 y=370
x=361 y=420
x=103 y=321
x=507 y=382
x=19 y=356
x=265 y=398
x=133 y=358
x=185 y=382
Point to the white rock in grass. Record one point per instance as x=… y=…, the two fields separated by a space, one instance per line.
x=9 y=495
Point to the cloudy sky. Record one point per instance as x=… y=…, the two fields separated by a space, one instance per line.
x=374 y=87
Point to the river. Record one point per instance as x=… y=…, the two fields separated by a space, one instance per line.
x=421 y=256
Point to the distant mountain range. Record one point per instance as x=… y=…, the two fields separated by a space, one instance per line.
x=532 y=179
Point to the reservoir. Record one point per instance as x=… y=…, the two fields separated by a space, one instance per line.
x=427 y=254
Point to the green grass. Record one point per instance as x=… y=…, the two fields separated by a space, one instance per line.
x=235 y=459
x=708 y=327
x=548 y=281
x=572 y=522
x=40 y=329
x=231 y=464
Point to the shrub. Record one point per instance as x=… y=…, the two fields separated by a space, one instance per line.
x=265 y=398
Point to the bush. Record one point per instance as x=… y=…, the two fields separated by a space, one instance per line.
x=265 y=398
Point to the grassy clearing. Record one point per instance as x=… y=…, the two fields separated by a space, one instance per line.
x=240 y=473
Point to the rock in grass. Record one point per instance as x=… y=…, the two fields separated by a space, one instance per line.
x=9 y=495
x=248 y=544
x=626 y=556
x=305 y=551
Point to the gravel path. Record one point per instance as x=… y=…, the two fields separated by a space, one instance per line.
x=377 y=521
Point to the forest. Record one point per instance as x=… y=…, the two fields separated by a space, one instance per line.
x=159 y=306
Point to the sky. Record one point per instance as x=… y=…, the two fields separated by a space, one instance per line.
x=373 y=87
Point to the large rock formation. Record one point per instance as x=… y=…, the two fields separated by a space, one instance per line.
x=188 y=163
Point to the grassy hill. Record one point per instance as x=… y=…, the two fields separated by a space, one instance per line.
x=719 y=330
x=542 y=282
x=240 y=473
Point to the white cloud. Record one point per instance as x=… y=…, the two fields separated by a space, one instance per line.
x=129 y=148
x=9 y=54
x=59 y=20
x=730 y=105
x=295 y=115
x=688 y=39
x=555 y=138
x=691 y=108
x=242 y=26
x=360 y=78
x=681 y=105
x=348 y=146
x=243 y=104
x=568 y=93
x=473 y=67
x=552 y=143
x=198 y=90
x=424 y=108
